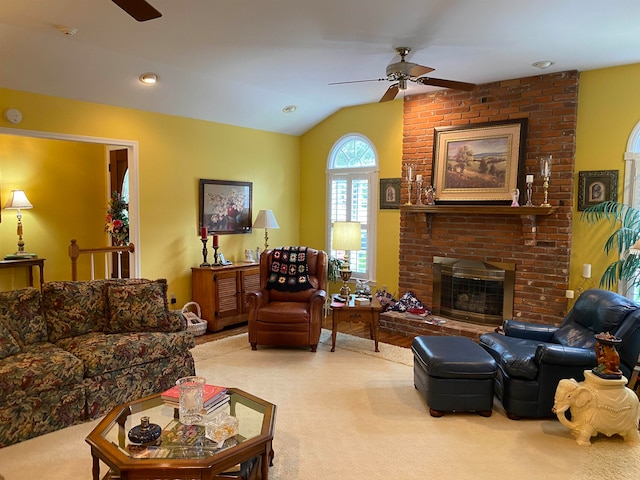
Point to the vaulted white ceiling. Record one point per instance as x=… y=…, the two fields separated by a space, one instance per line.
x=240 y=62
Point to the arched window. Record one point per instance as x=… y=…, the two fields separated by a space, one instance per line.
x=352 y=176
x=632 y=192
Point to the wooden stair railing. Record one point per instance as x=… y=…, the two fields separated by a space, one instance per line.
x=75 y=251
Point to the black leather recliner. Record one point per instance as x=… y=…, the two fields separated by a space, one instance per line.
x=532 y=358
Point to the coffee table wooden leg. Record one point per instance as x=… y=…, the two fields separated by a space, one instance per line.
x=95 y=469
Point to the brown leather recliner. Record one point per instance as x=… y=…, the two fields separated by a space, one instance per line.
x=288 y=318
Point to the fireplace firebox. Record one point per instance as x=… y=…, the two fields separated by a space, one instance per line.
x=473 y=291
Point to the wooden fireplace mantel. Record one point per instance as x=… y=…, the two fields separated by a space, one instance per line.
x=529 y=213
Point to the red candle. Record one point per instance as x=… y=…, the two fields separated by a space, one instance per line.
x=203 y=233
x=215 y=240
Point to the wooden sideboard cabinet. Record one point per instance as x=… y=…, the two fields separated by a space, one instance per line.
x=221 y=292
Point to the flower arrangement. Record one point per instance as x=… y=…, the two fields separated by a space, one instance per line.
x=117 y=222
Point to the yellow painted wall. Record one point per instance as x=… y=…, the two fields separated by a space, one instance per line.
x=608 y=111
x=174 y=154
x=65 y=182
x=382 y=124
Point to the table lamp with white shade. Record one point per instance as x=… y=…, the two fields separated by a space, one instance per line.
x=266 y=220
x=19 y=201
x=347 y=237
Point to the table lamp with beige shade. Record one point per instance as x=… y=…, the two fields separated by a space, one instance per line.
x=266 y=219
x=347 y=237
x=19 y=201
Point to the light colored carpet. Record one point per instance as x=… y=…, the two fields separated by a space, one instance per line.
x=355 y=413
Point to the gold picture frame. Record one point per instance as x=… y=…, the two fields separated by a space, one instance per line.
x=596 y=187
x=479 y=162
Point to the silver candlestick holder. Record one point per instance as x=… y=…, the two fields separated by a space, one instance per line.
x=529 y=191
x=419 y=192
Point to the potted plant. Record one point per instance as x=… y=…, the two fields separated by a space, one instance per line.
x=627 y=267
x=334 y=264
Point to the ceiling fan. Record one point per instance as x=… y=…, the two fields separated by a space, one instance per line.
x=138 y=9
x=403 y=71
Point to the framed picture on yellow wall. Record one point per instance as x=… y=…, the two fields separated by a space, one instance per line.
x=596 y=187
x=389 y=193
x=225 y=206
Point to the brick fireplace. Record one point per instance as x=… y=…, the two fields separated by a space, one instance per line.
x=538 y=246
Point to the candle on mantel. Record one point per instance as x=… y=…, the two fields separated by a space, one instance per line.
x=203 y=233
x=418 y=178
x=586 y=270
x=215 y=240
x=529 y=178
x=410 y=173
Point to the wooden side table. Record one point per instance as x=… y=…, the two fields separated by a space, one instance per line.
x=26 y=263
x=350 y=312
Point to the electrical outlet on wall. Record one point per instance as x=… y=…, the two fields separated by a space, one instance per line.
x=172 y=298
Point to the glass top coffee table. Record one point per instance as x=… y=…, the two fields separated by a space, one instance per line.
x=182 y=452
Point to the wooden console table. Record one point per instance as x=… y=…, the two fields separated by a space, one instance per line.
x=26 y=263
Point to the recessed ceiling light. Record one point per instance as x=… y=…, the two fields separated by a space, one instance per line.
x=542 y=64
x=289 y=109
x=149 y=78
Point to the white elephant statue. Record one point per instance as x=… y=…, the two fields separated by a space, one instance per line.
x=597 y=405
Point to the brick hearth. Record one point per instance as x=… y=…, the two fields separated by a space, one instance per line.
x=540 y=250
x=397 y=323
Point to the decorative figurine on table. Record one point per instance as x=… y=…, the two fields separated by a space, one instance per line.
x=607 y=355
x=515 y=195
x=430 y=195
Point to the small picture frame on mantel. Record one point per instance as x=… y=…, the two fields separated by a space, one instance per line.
x=596 y=187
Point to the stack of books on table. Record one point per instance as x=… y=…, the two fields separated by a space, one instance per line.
x=213 y=397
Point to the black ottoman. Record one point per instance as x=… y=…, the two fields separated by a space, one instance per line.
x=453 y=374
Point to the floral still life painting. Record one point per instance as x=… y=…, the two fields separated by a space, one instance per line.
x=117 y=221
x=225 y=206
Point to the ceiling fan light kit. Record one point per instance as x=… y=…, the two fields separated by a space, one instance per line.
x=403 y=71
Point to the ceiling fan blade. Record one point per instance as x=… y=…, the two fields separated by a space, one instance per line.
x=138 y=9
x=438 y=82
x=359 y=81
x=419 y=70
x=390 y=94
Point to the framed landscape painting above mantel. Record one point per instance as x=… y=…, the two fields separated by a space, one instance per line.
x=225 y=206
x=480 y=163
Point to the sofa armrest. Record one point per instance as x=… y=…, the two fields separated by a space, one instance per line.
x=566 y=356
x=181 y=318
x=531 y=331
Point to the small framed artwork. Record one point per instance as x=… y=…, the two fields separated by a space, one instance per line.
x=597 y=186
x=479 y=162
x=225 y=206
x=389 y=193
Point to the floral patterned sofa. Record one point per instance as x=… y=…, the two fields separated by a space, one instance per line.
x=72 y=352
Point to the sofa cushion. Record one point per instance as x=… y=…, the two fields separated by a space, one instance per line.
x=20 y=313
x=102 y=353
x=38 y=368
x=8 y=344
x=140 y=307
x=73 y=308
x=574 y=335
x=515 y=355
